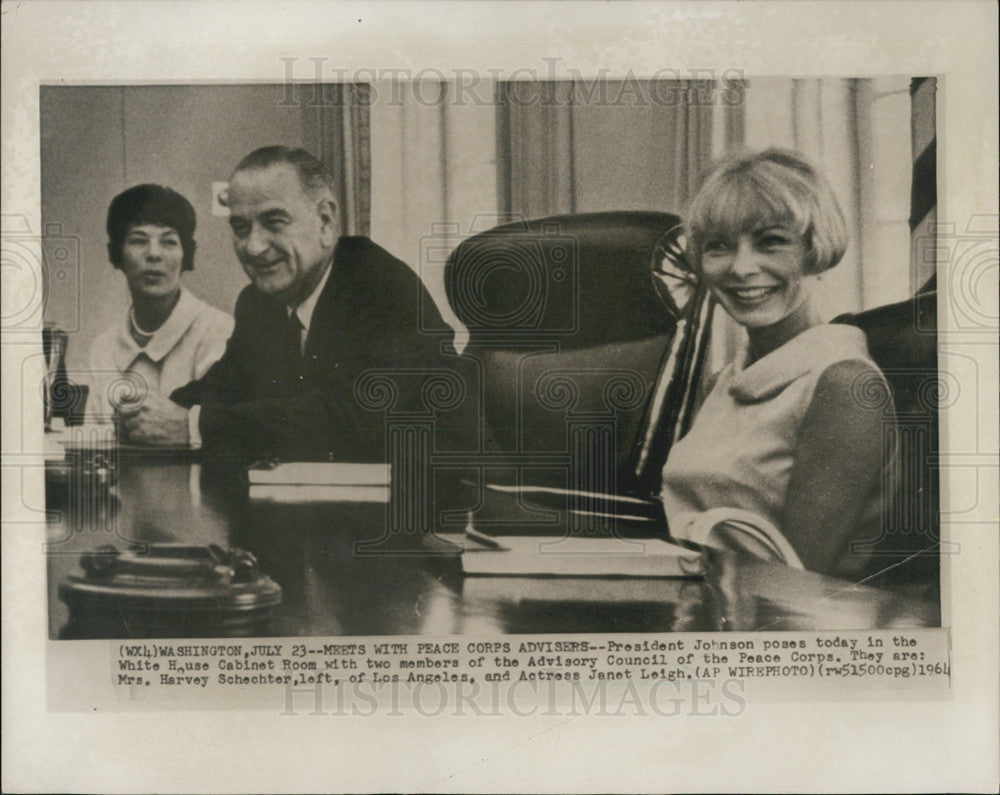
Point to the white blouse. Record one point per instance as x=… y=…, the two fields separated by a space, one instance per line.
x=182 y=349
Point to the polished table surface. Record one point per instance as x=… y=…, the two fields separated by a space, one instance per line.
x=338 y=579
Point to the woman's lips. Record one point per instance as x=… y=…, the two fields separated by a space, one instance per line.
x=751 y=295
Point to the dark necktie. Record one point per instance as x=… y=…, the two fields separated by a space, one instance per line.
x=293 y=334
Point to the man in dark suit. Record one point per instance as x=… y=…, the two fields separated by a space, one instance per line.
x=320 y=312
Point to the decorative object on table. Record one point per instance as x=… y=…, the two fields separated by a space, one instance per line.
x=60 y=398
x=168 y=590
x=82 y=480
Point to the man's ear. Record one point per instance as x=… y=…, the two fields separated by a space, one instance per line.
x=329 y=222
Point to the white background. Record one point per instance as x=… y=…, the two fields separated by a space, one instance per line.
x=870 y=742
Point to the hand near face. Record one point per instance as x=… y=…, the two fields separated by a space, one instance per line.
x=156 y=421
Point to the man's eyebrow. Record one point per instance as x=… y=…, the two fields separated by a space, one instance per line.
x=277 y=212
x=266 y=215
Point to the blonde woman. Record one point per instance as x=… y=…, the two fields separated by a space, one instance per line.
x=781 y=441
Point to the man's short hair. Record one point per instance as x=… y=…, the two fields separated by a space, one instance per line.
x=313 y=176
x=775 y=186
x=150 y=204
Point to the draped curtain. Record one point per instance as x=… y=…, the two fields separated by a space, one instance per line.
x=443 y=169
x=857 y=130
x=579 y=146
x=923 y=196
x=434 y=177
x=573 y=146
x=336 y=127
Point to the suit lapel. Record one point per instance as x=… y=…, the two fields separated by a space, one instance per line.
x=328 y=330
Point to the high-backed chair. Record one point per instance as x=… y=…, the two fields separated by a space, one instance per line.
x=587 y=333
x=902 y=339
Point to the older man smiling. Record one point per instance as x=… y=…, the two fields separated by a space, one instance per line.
x=320 y=311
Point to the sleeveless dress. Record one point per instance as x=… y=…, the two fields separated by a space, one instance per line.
x=738 y=456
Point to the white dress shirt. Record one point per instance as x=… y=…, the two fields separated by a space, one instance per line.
x=305 y=310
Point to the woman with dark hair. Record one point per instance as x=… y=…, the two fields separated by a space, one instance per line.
x=784 y=441
x=168 y=336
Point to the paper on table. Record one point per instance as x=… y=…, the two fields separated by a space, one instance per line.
x=577 y=557
x=321 y=473
x=582 y=590
x=285 y=492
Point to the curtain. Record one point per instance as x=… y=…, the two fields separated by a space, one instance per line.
x=578 y=146
x=336 y=127
x=857 y=130
x=434 y=176
x=443 y=169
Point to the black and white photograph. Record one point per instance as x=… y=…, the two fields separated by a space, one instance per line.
x=518 y=388
x=616 y=398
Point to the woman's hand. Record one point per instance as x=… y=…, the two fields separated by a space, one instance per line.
x=155 y=421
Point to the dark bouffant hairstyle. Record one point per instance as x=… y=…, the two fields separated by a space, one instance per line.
x=150 y=204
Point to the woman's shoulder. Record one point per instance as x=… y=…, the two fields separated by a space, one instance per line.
x=105 y=343
x=844 y=366
x=851 y=377
x=839 y=360
x=208 y=316
x=802 y=361
x=853 y=385
x=835 y=342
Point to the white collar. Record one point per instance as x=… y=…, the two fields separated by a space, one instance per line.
x=164 y=339
x=306 y=309
x=814 y=349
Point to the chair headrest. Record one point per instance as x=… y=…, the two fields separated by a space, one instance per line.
x=901 y=336
x=578 y=280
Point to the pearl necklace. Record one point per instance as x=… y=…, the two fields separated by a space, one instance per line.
x=136 y=327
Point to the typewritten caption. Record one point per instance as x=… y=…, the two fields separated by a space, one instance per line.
x=353 y=674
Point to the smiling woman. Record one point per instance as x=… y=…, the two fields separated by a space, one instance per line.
x=780 y=442
x=168 y=336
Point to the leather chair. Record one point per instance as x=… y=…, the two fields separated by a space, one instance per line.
x=902 y=339
x=588 y=336
x=587 y=333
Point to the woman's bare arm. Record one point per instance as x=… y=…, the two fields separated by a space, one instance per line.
x=839 y=460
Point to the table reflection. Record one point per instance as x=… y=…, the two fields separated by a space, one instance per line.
x=338 y=578
x=752 y=595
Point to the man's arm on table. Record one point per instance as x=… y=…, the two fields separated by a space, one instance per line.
x=326 y=421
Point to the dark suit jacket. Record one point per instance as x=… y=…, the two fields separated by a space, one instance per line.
x=374 y=313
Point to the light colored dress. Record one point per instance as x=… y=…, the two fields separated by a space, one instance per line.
x=740 y=450
x=181 y=350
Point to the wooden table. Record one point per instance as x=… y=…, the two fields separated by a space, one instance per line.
x=338 y=580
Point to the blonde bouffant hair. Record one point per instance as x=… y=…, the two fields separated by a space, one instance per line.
x=749 y=191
